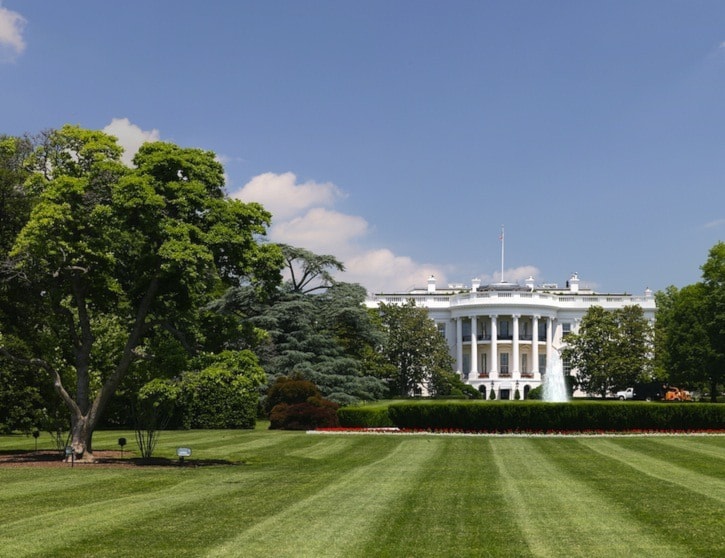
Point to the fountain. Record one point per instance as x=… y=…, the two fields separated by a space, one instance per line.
x=554 y=385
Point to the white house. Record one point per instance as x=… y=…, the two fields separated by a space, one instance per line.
x=502 y=335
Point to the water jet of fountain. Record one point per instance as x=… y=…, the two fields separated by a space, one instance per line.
x=554 y=389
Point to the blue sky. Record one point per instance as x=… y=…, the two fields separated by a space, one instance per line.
x=401 y=135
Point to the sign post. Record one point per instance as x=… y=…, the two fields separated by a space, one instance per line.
x=182 y=453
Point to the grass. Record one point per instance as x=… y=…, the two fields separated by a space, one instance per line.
x=294 y=494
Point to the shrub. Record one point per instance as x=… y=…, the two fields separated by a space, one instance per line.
x=364 y=417
x=535 y=393
x=290 y=391
x=224 y=394
x=568 y=417
x=297 y=404
x=316 y=412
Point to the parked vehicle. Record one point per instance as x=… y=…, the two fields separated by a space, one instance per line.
x=647 y=391
x=625 y=394
x=654 y=391
x=677 y=394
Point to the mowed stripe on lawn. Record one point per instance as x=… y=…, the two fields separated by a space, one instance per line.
x=343 y=515
x=456 y=508
x=658 y=467
x=60 y=529
x=560 y=515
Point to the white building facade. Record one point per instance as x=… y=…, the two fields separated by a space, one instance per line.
x=503 y=335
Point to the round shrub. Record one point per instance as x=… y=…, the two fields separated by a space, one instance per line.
x=316 y=412
x=224 y=394
x=290 y=391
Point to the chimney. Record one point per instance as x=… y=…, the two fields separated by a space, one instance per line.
x=530 y=283
x=574 y=283
x=475 y=283
x=432 y=284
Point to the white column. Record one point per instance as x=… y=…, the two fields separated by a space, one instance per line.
x=459 y=346
x=494 y=345
x=474 y=347
x=535 y=346
x=516 y=347
x=549 y=345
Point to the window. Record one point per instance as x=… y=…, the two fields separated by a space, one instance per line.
x=542 y=363
x=466 y=364
x=525 y=334
x=504 y=360
x=565 y=329
x=466 y=331
x=524 y=363
x=441 y=329
x=484 y=364
x=504 y=330
x=566 y=365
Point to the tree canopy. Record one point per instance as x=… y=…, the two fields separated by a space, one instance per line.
x=691 y=328
x=416 y=350
x=611 y=350
x=110 y=256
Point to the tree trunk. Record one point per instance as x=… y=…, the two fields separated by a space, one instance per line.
x=81 y=440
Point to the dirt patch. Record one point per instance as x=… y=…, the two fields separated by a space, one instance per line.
x=103 y=458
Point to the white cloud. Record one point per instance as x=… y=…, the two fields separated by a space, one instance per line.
x=322 y=231
x=382 y=271
x=12 y=25
x=284 y=197
x=130 y=137
x=715 y=224
x=513 y=275
x=302 y=215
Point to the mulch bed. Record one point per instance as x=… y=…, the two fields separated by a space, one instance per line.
x=103 y=458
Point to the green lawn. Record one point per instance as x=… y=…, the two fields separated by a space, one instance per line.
x=294 y=494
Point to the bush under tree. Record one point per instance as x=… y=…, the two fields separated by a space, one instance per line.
x=296 y=404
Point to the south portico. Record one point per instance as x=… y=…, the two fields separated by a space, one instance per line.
x=502 y=350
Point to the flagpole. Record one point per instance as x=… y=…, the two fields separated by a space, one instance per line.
x=502 y=252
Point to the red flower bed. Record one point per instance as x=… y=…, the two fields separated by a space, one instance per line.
x=633 y=432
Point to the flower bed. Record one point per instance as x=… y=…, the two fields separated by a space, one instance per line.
x=516 y=433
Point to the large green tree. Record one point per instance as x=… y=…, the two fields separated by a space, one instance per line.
x=611 y=350
x=691 y=328
x=111 y=255
x=415 y=348
x=22 y=397
x=713 y=275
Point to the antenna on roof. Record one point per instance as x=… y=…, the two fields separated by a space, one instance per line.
x=501 y=238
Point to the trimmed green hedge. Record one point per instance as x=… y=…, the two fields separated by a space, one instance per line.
x=536 y=416
x=364 y=417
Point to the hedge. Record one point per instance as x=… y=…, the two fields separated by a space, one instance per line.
x=535 y=416
x=364 y=417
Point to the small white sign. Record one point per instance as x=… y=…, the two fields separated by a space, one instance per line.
x=183 y=452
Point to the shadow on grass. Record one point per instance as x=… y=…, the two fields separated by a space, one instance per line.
x=50 y=458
